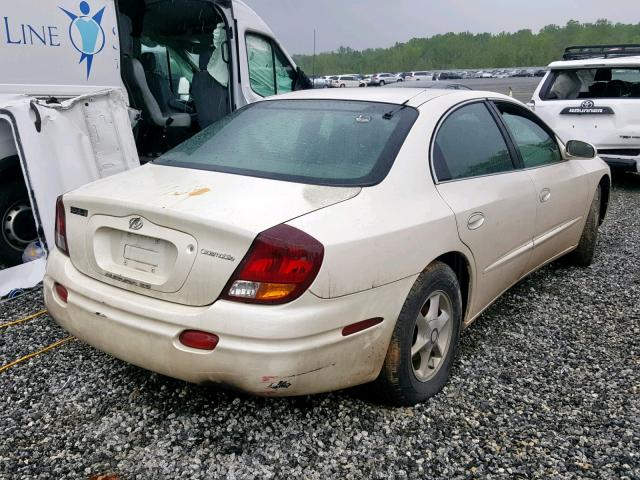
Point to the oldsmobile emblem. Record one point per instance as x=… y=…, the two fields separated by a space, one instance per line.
x=135 y=223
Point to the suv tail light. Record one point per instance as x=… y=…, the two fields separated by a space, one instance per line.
x=279 y=267
x=61 y=227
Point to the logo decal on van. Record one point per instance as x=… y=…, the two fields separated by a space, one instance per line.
x=86 y=33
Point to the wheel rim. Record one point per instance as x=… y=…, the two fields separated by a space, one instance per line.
x=431 y=336
x=18 y=228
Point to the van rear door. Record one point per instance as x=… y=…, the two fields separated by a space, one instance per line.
x=62 y=146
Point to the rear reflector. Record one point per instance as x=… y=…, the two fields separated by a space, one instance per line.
x=359 y=326
x=199 y=340
x=62 y=292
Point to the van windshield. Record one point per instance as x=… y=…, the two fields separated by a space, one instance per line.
x=604 y=82
x=321 y=142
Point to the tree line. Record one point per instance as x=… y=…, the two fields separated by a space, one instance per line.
x=468 y=50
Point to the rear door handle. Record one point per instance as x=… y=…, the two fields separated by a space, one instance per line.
x=476 y=220
x=545 y=195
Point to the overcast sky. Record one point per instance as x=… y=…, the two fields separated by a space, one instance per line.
x=361 y=24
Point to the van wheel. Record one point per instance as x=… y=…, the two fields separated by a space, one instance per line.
x=583 y=255
x=16 y=221
x=425 y=339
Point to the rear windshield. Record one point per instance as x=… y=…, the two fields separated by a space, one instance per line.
x=602 y=82
x=321 y=142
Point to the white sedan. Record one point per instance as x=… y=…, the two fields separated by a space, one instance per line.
x=323 y=239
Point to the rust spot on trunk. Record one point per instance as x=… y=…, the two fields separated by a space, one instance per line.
x=199 y=191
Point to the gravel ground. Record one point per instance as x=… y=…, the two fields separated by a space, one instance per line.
x=547 y=386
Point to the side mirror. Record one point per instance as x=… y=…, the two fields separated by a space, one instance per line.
x=580 y=149
x=183 y=88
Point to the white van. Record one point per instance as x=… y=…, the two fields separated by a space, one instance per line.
x=94 y=87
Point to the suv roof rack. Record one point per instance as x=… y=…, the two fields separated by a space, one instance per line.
x=580 y=52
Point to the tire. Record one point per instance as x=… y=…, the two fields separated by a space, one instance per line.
x=17 y=227
x=405 y=379
x=381 y=83
x=583 y=255
x=342 y=85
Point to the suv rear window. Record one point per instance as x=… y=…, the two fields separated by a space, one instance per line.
x=603 y=82
x=320 y=142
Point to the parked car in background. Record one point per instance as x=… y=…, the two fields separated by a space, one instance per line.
x=380 y=79
x=319 y=82
x=365 y=81
x=349 y=80
x=448 y=76
x=418 y=75
x=443 y=85
x=332 y=81
x=524 y=73
x=227 y=260
x=594 y=94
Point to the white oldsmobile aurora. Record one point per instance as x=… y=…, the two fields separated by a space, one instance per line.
x=323 y=239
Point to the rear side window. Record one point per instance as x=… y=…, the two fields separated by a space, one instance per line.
x=468 y=144
x=270 y=72
x=537 y=146
x=321 y=142
x=604 y=82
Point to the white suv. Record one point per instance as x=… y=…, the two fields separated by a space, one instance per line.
x=343 y=81
x=594 y=94
x=421 y=75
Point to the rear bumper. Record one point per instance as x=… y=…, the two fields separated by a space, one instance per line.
x=623 y=164
x=293 y=349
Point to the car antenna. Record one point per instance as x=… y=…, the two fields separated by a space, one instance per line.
x=313 y=61
x=389 y=115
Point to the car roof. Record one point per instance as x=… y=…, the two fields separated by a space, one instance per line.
x=599 y=62
x=413 y=96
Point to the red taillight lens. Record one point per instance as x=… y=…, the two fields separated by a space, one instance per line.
x=61 y=227
x=199 y=340
x=279 y=267
x=62 y=292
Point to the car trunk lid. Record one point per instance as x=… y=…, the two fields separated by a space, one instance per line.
x=178 y=234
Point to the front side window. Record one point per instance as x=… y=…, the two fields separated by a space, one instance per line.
x=603 y=82
x=321 y=142
x=536 y=145
x=270 y=72
x=469 y=144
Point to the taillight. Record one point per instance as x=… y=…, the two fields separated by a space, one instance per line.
x=61 y=227
x=279 y=267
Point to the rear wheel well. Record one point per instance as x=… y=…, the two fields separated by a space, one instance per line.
x=605 y=188
x=460 y=266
